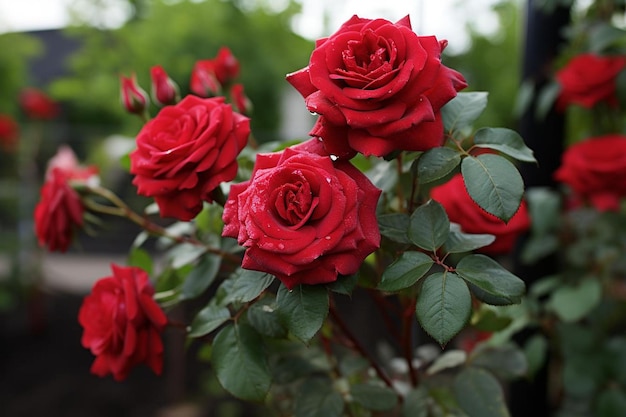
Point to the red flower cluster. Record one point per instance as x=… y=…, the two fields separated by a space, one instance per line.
x=302 y=217
x=122 y=323
x=59 y=212
x=595 y=170
x=461 y=209
x=37 y=105
x=186 y=152
x=377 y=87
x=9 y=132
x=589 y=79
x=209 y=75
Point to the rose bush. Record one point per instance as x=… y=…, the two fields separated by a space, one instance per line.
x=314 y=230
x=594 y=169
x=186 y=152
x=461 y=209
x=589 y=79
x=303 y=218
x=378 y=87
x=122 y=323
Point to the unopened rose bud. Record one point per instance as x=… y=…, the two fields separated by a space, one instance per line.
x=240 y=100
x=226 y=66
x=204 y=83
x=134 y=99
x=164 y=90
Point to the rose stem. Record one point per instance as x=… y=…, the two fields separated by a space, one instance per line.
x=358 y=347
x=407 y=324
x=121 y=209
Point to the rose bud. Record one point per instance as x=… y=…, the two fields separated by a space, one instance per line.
x=226 y=66
x=239 y=98
x=9 y=132
x=164 y=89
x=204 y=83
x=134 y=99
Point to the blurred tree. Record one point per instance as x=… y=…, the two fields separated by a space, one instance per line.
x=492 y=63
x=15 y=50
x=175 y=34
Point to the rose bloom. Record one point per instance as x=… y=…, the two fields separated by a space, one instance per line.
x=37 y=105
x=59 y=212
x=461 y=209
x=589 y=79
x=9 y=132
x=186 y=152
x=595 y=170
x=122 y=324
x=378 y=87
x=302 y=217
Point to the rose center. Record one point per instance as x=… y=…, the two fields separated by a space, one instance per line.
x=368 y=62
x=294 y=203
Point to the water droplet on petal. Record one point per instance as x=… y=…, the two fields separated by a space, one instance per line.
x=281 y=246
x=334 y=157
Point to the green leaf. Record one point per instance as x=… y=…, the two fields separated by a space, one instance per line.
x=317 y=398
x=395 y=226
x=449 y=359
x=546 y=99
x=405 y=271
x=201 y=277
x=184 y=254
x=443 y=306
x=463 y=110
x=436 y=164
x=506 y=362
x=611 y=403
x=247 y=285
x=303 y=309
x=345 y=284
x=263 y=316
x=572 y=303
x=479 y=394
x=140 y=258
x=240 y=362
x=374 y=397
x=494 y=184
x=459 y=242
x=504 y=140
x=536 y=351
x=491 y=277
x=208 y=319
x=415 y=403
x=429 y=226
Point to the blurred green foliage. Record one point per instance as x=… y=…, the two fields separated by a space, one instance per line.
x=493 y=63
x=176 y=35
x=15 y=50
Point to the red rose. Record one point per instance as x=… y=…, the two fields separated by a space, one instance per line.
x=122 y=323
x=589 y=79
x=186 y=152
x=595 y=169
x=302 y=217
x=378 y=87
x=37 y=105
x=58 y=213
x=240 y=100
x=164 y=89
x=9 y=132
x=461 y=209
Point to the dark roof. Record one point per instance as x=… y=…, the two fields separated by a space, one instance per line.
x=52 y=63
